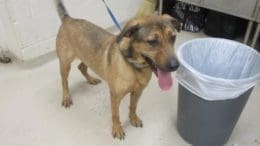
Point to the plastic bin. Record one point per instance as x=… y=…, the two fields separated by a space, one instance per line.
x=216 y=77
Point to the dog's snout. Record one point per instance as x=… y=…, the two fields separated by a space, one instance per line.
x=172 y=64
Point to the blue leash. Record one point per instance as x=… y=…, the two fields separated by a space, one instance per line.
x=112 y=15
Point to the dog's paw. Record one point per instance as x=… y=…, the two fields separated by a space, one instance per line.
x=118 y=132
x=94 y=81
x=135 y=121
x=67 y=102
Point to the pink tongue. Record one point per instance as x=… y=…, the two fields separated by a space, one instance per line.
x=164 y=79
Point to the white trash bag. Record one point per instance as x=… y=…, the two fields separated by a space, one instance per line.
x=217 y=69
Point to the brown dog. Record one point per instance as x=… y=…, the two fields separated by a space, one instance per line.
x=125 y=61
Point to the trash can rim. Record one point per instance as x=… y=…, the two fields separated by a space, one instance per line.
x=192 y=69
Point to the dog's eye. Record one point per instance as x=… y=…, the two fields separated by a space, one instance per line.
x=173 y=38
x=153 y=43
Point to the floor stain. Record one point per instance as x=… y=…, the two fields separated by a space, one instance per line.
x=257 y=140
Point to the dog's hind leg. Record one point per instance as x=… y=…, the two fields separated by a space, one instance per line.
x=65 y=69
x=83 y=69
x=66 y=56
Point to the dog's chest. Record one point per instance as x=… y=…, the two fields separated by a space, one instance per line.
x=142 y=78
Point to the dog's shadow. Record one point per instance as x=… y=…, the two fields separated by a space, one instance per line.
x=81 y=87
x=97 y=94
x=101 y=94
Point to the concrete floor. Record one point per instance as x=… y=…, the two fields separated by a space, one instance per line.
x=31 y=112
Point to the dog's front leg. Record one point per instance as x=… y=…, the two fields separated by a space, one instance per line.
x=135 y=120
x=117 y=130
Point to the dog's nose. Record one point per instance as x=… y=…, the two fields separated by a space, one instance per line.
x=172 y=64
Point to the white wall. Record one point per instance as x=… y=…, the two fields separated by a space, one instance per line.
x=28 y=27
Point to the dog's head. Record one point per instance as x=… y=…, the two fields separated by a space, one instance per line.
x=150 y=41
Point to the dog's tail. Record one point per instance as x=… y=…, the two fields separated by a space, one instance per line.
x=61 y=9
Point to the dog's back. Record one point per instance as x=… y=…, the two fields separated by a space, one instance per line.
x=78 y=38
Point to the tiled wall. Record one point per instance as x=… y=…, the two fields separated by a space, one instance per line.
x=28 y=27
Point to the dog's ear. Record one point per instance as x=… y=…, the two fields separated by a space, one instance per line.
x=176 y=24
x=129 y=30
x=124 y=46
x=126 y=36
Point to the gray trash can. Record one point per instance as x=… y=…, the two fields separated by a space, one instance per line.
x=216 y=77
